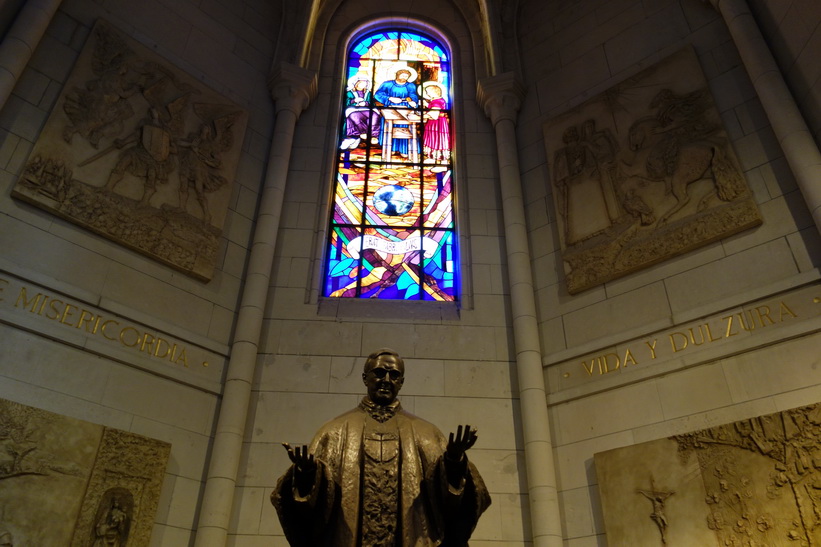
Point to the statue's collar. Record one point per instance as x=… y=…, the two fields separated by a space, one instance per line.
x=380 y=413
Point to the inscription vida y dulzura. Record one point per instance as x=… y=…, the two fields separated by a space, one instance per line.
x=29 y=302
x=709 y=332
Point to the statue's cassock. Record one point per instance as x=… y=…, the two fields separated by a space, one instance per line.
x=387 y=453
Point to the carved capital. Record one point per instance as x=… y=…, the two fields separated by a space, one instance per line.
x=292 y=87
x=500 y=96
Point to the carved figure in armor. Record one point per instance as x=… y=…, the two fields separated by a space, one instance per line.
x=201 y=155
x=149 y=158
x=100 y=109
x=378 y=476
x=199 y=167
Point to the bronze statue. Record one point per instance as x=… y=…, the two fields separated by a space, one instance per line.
x=378 y=476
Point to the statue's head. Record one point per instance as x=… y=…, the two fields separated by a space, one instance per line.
x=383 y=375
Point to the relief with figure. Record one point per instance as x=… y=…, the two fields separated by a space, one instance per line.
x=754 y=482
x=138 y=152
x=69 y=482
x=643 y=172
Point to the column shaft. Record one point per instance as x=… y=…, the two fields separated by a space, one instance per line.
x=21 y=41
x=293 y=88
x=800 y=149
x=501 y=97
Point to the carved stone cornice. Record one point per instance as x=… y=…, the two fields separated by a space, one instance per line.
x=500 y=96
x=292 y=87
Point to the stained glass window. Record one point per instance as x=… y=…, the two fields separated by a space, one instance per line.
x=392 y=232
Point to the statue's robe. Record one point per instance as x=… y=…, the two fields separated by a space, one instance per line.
x=430 y=511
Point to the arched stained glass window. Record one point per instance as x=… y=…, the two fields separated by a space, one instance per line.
x=392 y=232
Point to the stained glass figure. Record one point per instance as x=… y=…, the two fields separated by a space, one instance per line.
x=392 y=223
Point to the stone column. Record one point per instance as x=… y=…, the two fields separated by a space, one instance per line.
x=788 y=124
x=292 y=88
x=501 y=96
x=21 y=41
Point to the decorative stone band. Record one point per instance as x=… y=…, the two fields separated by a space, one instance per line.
x=729 y=332
x=48 y=313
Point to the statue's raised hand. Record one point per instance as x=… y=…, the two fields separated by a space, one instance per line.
x=300 y=456
x=460 y=443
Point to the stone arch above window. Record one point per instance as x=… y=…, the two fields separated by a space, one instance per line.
x=392 y=232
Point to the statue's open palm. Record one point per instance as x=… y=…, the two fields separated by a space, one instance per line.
x=299 y=455
x=461 y=442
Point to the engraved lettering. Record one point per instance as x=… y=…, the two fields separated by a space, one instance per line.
x=782 y=309
x=54 y=306
x=146 y=338
x=673 y=341
x=105 y=324
x=24 y=298
x=710 y=333
x=628 y=357
x=742 y=317
x=729 y=332
x=122 y=337
x=167 y=349
x=606 y=359
x=652 y=348
x=67 y=313
x=42 y=305
x=588 y=370
x=73 y=315
x=693 y=336
x=764 y=312
x=85 y=317
x=182 y=357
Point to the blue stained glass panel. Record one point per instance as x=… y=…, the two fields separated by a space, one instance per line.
x=392 y=223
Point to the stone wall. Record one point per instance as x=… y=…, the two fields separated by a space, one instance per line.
x=460 y=366
x=120 y=378
x=793 y=33
x=628 y=396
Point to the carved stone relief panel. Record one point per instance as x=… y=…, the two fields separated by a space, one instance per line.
x=68 y=482
x=644 y=172
x=139 y=152
x=751 y=483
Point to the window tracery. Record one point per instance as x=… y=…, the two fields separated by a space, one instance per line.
x=392 y=230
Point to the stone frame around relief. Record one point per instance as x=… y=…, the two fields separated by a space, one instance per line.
x=65 y=481
x=750 y=482
x=139 y=152
x=643 y=172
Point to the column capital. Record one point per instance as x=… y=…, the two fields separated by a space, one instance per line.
x=292 y=87
x=500 y=96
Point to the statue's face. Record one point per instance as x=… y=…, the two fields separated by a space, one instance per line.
x=384 y=379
